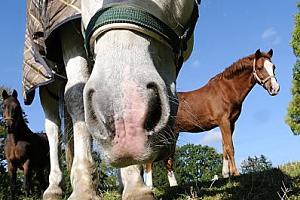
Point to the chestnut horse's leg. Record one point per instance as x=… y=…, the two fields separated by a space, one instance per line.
x=27 y=177
x=83 y=168
x=52 y=127
x=228 y=149
x=148 y=174
x=169 y=166
x=12 y=172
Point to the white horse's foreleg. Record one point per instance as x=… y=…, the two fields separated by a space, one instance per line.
x=77 y=71
x=52 y=128
x=134 y=187
x=68 y=139
x=148 y=174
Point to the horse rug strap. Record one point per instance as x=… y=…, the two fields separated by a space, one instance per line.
x=116 y=15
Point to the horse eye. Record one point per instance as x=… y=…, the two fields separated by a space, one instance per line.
x=260 y=68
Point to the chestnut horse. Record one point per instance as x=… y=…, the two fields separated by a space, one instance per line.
x=23 y=148
x=219 y=104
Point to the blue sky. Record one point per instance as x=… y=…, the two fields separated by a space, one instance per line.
x=226 y=31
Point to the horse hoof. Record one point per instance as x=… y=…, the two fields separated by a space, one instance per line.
x=235 y=174
x=138 y=195
x=85 y=196
x=226 y=175
x=52 y=193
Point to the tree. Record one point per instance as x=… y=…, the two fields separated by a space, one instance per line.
x=193 y=163
x=3 y=174
x=293 y=115
x=255 y=164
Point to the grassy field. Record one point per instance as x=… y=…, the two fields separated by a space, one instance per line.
x=278 y=183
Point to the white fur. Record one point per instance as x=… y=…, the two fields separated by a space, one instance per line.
x=270 y=69
x=225 y=169
x=148 y=179
x=172 y=179
x=134 y=187
x=123 y=55
x=52 y=128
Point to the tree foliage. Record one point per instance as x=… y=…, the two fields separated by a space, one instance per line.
x=255 y=164
x=296 y=34
x=107 y=175
x=293 y=115
x=193 y=163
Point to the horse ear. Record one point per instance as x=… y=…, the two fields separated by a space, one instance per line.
x=257 y=53
x=270 y=53
x=15 y=94
x=4 y=94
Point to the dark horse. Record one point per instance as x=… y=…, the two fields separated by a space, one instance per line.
x=23 y=148
x=219 y=102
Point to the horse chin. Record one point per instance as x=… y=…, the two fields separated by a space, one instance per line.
x=273 y=91
x=136 y=149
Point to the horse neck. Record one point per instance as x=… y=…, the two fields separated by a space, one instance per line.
x=22 y=131
x=243 y=83
x=22 y=127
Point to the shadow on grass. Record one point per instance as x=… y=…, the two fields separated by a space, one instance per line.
x=264 y=185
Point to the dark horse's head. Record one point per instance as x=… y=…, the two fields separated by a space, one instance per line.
x=264 y=71
x=12 y=111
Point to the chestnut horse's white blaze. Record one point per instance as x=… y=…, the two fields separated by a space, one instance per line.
x=269 y=66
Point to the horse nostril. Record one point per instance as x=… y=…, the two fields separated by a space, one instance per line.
x=154 y=107
x=90 y=112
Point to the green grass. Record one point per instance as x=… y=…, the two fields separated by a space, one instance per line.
x=266 y=185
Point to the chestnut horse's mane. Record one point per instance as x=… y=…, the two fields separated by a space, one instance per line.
x=238 y=67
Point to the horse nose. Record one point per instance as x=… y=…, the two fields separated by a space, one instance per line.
x=275 y=89
x=125 y=115
x=149 y=109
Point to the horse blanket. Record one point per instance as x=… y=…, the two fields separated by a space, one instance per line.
x=42 y=53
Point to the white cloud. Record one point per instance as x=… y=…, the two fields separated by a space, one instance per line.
x=195 y=63
x=271 y=35
x=211 y=138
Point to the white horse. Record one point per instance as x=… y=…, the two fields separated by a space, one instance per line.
x=127 y=99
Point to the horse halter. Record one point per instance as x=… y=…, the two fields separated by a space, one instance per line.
x=116 y=15
x=259 y=80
